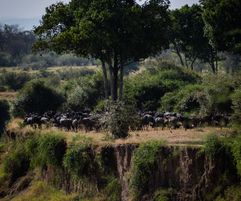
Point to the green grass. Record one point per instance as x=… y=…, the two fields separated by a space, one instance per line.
x=40 y=191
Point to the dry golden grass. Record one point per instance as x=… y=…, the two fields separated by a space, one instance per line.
x=179 y=136
x=49 y=69
x=8 y=95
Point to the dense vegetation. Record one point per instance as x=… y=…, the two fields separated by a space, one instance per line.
x=185 y=61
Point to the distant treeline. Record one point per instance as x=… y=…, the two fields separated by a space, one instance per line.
x=16 y=50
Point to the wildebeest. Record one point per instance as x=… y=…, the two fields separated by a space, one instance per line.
x=88 y=121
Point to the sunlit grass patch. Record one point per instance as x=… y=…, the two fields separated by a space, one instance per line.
x=40 y=191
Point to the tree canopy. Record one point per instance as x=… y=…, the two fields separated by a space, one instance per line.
x=188 y=39
x=223 y=24
x=116 y=32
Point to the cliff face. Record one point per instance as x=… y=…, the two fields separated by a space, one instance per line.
x=190 y=174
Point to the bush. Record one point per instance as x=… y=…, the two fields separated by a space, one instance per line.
x=37 y=98
x=213 y=145
x=144 y=162
x=113 y=190
x=189 y=99
x=236 y=116
x=211 y=97
x=236 y=151
x=145 y=88
x=85 y=93
x=16 y=164
x=79 y=161
x=119 y=118
x=161 y=195
x=51 y=150
x=4 y=115
x=231 y=193
x=14 y=81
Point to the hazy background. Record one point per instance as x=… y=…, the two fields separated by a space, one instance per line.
x=27 y=13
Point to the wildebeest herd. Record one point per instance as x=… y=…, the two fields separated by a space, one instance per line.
x=74 y=121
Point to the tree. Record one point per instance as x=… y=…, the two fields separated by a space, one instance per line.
x=187 y=37
x=116 y=32
x=223 y=24
x=15 y=43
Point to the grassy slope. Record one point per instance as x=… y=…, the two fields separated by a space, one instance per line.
x=40 y=191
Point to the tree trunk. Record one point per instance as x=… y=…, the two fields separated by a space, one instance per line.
x=105 y=79
x=115 y=84
x=192 y=63
x=212 y=60
x=121 y=81
x=216 y=61
x=111 y=80
x=179 y=55
x=213 y=67
x=113 y=70
x=186 y=62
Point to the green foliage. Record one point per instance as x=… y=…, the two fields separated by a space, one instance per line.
x=236 y=151
x=161 y=195
x=146 y=88
x=144 y=162
x=236 y=116
x=49 y=150
x=37 y=97
x=212 y=96
x=119 y=118
x=190 y=99
x=79 y=161
x=16 y=164
x=223 y=24
x=213 y=146
x=187 y=35
x=85 y=93
x=118 y=26
x=231 y=193
x=14 y=81
x=41 y=191
x=113 y=190
x=4 y=114
x=35 y=151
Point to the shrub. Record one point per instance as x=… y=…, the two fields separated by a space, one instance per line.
x=236 y=116
x=16 y=164
x=145 y=88
x=35 y=151
x=118 y=119
x=50 y=150
x=4 y=115
x=161 y=195
x=113 y=190
x=85 y=93
x=213 y=145
x=37 y=98
x=14 y=81
x=236 y=151
x=79 y=161
x=231 y=193
x=144 y=162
